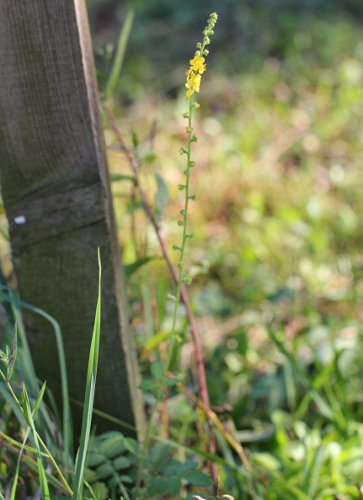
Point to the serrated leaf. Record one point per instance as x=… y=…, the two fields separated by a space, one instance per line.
x=198 y=478
x=132 y=445
x=180 y=469
x=121 y=463
x=105 y=470
x=100 y=490
x=157 y=370
x=126 y=479
x=172 y=381
x=113 y=446
x=94 y=459
x=157 y=486
x=149 y=385
x=173 y=486
x=90 y=475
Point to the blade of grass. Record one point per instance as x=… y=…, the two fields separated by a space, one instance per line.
x=320 y=402
x=15 y=444
x=30 y=420
x=89 y=395
x=120 y=54
x=33 y=466
x=17 y=470
x=90 y=490
x=67 y=420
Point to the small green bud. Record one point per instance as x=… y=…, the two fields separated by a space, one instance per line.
x=193 y=138
x=181 y=187
x=176 y=248
x=191 y=164
x=182 y=212
x=180 y=223
x=183 y=151
x=192 y=197
x=187 y=280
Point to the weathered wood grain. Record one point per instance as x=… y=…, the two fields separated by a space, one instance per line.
x=57 y=197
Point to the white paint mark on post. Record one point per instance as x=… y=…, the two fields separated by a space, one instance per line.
x=21 y=219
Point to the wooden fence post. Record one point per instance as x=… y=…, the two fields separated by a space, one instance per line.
x=57 y=198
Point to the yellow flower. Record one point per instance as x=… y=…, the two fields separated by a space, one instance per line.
x=192 y=83
x=197 y=64
x=188 y=73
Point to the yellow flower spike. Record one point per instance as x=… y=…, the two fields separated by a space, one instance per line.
x=197 y=65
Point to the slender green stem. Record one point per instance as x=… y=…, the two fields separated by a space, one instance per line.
x=55 y=465
x=175 y=338
x=10 y=389
x=194 y=73
x=175 y=341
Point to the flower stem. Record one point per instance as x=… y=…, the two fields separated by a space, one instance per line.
x=175 y=340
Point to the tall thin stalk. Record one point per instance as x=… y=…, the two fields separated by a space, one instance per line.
x=194 y=73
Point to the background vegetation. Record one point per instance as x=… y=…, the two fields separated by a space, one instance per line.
x=276 y=256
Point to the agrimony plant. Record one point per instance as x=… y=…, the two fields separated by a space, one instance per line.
x=193 y=80
x=197 y=68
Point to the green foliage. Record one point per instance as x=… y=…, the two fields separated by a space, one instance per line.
x=113 y=461
x=276 y=266
x=119 y=56
x=276 y=262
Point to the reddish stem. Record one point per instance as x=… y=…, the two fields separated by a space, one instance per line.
x=198 y=352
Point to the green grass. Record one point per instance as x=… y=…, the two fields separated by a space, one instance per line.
x=25 y=411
